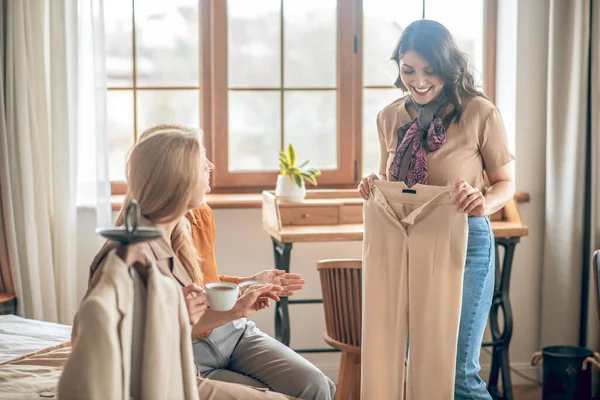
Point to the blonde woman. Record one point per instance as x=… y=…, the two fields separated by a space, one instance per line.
x=283 y=370
x=226 y=346
x=168 y=174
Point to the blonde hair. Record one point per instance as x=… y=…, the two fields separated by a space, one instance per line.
x=162 y=170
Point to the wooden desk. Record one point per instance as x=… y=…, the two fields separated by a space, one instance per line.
x=336 y=216
x=354 y=232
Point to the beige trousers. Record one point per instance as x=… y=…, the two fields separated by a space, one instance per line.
x=414 y=253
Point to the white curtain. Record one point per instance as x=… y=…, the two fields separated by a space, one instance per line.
x=94 y=184
x=593 y=329
x=573 y=130
x=93 y=189
x=9 y=275
x=47 y=77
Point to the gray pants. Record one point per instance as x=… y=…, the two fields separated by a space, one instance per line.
x=240 y=353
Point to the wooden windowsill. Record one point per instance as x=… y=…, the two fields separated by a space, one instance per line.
x=253 y=200
x=216 y=201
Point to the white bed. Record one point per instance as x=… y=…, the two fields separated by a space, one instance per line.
x=32 y=354
x=20 y=336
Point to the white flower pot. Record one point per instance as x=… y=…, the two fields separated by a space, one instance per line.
x=287 y=190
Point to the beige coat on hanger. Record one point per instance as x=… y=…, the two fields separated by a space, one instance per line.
x=100 y=364
x=159 y=251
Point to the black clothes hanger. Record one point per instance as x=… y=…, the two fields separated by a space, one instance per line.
x=132 y=233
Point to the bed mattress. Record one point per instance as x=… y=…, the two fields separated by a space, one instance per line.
x=32 y=355
x=20 y=336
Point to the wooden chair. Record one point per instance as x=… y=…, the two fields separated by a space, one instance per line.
x=342 y=300
x=596 y=269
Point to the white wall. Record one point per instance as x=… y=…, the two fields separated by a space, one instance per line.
x=531 y=168
x=243 y=248
x=521 y=95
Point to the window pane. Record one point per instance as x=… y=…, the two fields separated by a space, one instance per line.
x=119 y=126
x=310 y=43
x=167 y=43
x=118 y=43
x=311 y=126
x=254 y=130
x=167 y=107
x=373 y=101
x=464 y=19
x=384 y=21
x=254 y=40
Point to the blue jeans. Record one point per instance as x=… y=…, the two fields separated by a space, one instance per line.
x=478 y=289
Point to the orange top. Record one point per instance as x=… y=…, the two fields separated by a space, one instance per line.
x=202 y=222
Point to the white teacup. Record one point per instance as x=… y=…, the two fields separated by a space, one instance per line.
x=246 y=284
x=221 y=296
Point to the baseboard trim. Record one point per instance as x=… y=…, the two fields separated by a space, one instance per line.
x=532 y=372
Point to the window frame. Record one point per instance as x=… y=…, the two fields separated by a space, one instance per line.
x=214 y=94
x=218 y=129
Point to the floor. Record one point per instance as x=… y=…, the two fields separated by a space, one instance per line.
x=530 y=392
x=527 y=392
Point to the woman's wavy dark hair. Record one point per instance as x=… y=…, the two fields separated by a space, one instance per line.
x=432 y=41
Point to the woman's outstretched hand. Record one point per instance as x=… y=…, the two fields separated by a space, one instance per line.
x=254 y=299
x=289 y=282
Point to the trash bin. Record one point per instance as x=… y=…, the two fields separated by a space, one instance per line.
x=566 y=372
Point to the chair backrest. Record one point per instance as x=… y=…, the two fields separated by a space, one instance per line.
x=596 y=268
x=341 y=284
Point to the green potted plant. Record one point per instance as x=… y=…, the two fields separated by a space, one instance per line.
x=290 y=182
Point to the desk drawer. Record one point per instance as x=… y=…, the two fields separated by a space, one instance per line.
x=309 y=215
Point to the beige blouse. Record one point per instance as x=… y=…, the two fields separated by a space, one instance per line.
x=475 y=144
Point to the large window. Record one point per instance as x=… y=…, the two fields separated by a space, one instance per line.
x=256 y=75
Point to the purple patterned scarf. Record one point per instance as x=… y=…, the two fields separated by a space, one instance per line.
x=422 y=135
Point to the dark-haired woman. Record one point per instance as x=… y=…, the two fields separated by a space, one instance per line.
x=442 y=106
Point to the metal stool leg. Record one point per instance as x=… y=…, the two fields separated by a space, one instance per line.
x=282 y=253
x=501 y=339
